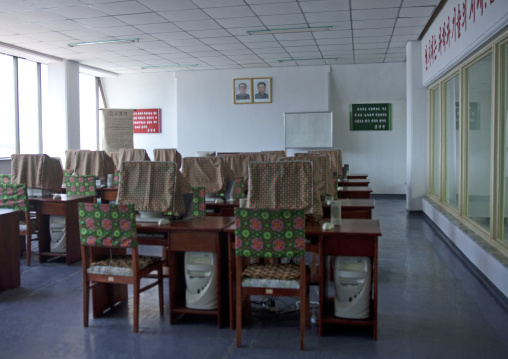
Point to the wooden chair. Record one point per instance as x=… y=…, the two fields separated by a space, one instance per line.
x=270 y=234
x=114 y=226
x=14 y=196
x=80 y=185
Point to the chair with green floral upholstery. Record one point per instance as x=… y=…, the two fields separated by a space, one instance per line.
x=270 y=234
x=114 y=227
x=198 y=206
x=5 y=178
x=81 y=186
x=238 y=188
x=14 y=196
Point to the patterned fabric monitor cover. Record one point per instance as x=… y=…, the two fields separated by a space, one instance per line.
x=283 y=185
x=131 y=154
x=208 y=172
x=274 y=155
x=96 y=163
x=269 y=233
x=97 y=229
x=80 y=185
x=114 y=157
x=323 y=176
x=336 y=160
x=168 y=154
x=37 y=171
x=70 y=156
x=151 y=186
x=237 y=164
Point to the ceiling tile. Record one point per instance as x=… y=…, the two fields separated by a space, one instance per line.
x=78 y=12
x=197 y=25
x=328 y=16
x=228 y=12
x=240 y=22
x=165 y=5
x=373 y=24
x=374 y=4
x=291 y=19
x=324 y=6
x=185 y=15
x=417 y=11
x=277 y=9
x=147 y=18
x=390 y=13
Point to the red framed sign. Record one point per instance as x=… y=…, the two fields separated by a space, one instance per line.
x=147 y=120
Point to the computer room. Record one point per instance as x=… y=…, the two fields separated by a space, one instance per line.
x=434 y=281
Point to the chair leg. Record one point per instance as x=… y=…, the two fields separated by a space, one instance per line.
x=239 y=315
x=161 y=290
x=86 y=301
x=303 y=319
x=28 y=249
x=137 y=285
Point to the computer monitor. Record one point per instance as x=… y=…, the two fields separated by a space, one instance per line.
x=153 y=188
x=41 y=174
x=284 y=185
x=208 y=172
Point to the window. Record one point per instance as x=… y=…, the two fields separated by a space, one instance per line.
x=436 y=142
x=28 y=86
x=478 y=126
x=7 y=101
x=452 y=135
x=88 y=112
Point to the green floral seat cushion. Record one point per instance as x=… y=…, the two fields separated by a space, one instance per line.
x=120 y=265
x=80 y=185
x=269 y=233
x=107 y=225
x=238 y=189
x=198 y=206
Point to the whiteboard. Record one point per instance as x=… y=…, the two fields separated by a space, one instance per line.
x=308 y=129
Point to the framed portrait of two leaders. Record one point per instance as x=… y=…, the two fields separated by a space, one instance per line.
x=252 y=90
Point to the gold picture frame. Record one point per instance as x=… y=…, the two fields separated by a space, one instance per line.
x=242 y=91
x=262 y=90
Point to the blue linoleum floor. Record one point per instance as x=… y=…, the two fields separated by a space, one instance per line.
x=431 y=305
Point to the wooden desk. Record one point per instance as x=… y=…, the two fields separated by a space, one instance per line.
x=226 y=209
x=107 y=194
x=353 y=208
x=357 y=176
x=66 y=206
x=355 y=237
x=351 y=182
x=354 y=192
x=10 y=276
x=202 y=234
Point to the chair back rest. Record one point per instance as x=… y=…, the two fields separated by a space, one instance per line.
x=80 y=185
x=107 y=225
x=269 y=233
x=283 y=185
x=238 y=188
x=209 y=172
x=5 y=178
x=13 y=196
x=198 y=206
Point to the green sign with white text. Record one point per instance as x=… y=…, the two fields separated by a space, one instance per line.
x=370 y=117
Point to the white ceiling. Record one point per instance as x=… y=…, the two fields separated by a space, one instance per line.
x=212 y=33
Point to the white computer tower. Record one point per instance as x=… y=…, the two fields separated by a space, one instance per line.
x=57 y=234
x=353 y=282
x=201 y=280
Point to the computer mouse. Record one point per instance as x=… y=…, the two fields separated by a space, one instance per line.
x=219 y=200
x=163 y=221
x=57 y=196
x=327 y=226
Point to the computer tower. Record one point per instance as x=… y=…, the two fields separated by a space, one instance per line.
x=201 y=280
x=353 y=282
x=57 y=234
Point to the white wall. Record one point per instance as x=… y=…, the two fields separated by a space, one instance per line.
x=150 y=90
x=198 y=112
x=380 y=154
x=208 y=119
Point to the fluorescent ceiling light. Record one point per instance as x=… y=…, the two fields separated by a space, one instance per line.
x=289 y=30
x=310 y=58
x=175 y=65
x=120 y=41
